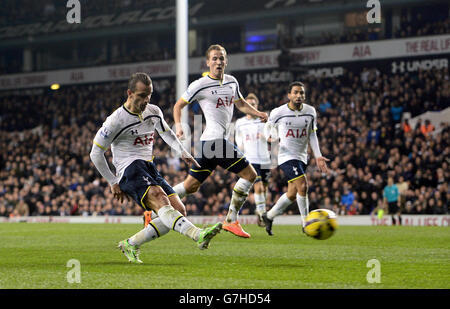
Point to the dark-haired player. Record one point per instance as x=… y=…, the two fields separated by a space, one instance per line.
x=129 y=131
x=295 y=124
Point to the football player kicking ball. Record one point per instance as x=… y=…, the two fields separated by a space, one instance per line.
x=295 y=124
x=129 y=131
x=251 y=140
x=217 y=94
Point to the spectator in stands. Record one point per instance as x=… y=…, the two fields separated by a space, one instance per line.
x=21 y=209
x=326 y=204
x=367 y=203
x=373 y=136
x=4 y=211
x=409 y=209
x=325 y=105
x=426 y=128
x=406 y=127
x=348 y=198
x=396 y=112
x=439 y=208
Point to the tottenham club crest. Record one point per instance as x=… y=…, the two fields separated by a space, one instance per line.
x=146 y=180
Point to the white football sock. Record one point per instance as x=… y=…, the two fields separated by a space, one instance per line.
x=154 y=230
x=180 y=190
x=240 y=193
x=260 y=202
x=173 y=219
x=303 y=206
x=279 y=207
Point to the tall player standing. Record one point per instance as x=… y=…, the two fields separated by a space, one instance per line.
x=218 y=93
x=295 y=124
x=249 y=137
x=129 y=131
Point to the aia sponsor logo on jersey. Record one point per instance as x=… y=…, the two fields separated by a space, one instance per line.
x=296 y=133
x=224 y=102
x=144 y=140
x=253 y=137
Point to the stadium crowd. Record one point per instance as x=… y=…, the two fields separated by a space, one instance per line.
x=46 y=138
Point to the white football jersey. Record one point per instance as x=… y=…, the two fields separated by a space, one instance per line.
x=294 y=128
x=250 y=137
x=216 y=99
x=130 y=135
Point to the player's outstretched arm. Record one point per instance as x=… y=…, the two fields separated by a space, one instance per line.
x=320 y=160
x=246 y=108
x=177 y=117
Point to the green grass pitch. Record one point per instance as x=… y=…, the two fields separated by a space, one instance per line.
x=36 y=256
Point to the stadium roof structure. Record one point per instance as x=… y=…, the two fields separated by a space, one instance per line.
x=160 y=18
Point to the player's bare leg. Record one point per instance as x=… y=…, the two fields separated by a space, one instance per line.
x=175 y=202
x=188 y=186
x=239 y=195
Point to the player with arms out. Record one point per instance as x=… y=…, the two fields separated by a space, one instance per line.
x=217 y=93
x=295 y=124
x=129 y=131
x=250 y=138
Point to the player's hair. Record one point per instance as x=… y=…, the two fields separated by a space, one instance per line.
x=215 y=47
x=252 y=96
x=138 y=77
x=296 y=83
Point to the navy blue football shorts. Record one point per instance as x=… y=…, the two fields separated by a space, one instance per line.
x=293 y=169
x=217 y=153
x=263 y=174
x=137 y=179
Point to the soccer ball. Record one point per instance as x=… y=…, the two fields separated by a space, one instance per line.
x=320 y=224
